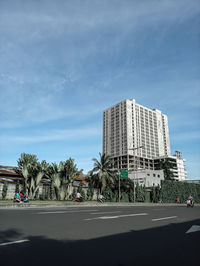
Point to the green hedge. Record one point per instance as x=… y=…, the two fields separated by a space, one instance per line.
x=171 y=189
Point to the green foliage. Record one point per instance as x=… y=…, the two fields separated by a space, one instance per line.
x=124 y=197
x=115 y=197
x=73 y=195
x=17 y=187
x=81 y=191
x=108 y=194
x=167 y=167
x=156 y=194
x=61 y=176
x=90 y=192
x=131 y=195
x=101 y=175
x=4 y=191
x=52 y=191
x=32 y=171
x=171 y=189
x=140 y=193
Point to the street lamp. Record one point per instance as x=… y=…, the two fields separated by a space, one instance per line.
x=133 y=149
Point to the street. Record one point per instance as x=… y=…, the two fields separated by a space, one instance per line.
x=100 y=235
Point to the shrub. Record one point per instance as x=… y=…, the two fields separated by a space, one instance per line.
x=4 y=191
x=17 y=188
x=90 y=193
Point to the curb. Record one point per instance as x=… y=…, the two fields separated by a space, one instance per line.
x=67 y=205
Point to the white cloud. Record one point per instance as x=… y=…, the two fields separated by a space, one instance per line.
x=53 y=135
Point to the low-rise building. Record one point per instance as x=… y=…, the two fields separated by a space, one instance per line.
x=147 y=177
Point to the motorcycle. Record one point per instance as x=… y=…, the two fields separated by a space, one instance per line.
x=20 y=199
x=78 y=199
x=190 y=203
x=101 y=200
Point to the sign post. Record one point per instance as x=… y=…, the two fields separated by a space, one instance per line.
x=123 y=174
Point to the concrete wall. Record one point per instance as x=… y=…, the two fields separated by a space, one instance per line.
x=10 y=191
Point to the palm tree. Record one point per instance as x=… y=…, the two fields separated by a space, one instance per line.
x=62 y=177
x=101 y=174
x=32 y=171
x=27 y=167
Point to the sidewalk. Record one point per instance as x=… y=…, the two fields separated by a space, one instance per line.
x=57 y=204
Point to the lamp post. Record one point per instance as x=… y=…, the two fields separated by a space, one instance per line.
x=133 y=149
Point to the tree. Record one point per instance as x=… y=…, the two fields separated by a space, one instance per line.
x=28 y=168
x=32 y=171
x=101 y=174
x=62 y=177
x=167 y=167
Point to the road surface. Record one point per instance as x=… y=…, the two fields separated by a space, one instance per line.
x=112 y=235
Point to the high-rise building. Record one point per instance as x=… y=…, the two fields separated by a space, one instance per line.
x=137 y=138
x=129 y=125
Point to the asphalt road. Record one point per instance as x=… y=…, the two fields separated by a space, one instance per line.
x=130 y=235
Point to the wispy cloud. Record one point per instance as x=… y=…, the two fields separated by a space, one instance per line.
x=53 y=135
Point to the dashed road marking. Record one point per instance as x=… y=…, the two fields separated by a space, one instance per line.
x=105 y=212
x=58 y=212
x=14 y=242
x=115 y=217
x=164 y=218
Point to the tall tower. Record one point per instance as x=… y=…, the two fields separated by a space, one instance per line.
x=129 y=125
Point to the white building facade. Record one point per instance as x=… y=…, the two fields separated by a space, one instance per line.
x=147 y=177
x=127 y=125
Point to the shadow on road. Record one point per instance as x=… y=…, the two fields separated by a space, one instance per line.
x=166 y=245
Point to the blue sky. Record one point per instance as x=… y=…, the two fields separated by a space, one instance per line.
x=63 y=62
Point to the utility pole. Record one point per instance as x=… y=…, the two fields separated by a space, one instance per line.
x=133 y=149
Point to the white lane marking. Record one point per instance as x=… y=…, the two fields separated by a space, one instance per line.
x=164 y=218
x=115 y=217
x=193 y=228
x=105 y=212
x=14 y=242
x=58 y=212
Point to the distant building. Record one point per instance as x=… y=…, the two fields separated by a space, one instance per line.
x=8 y=174
x=178 y=165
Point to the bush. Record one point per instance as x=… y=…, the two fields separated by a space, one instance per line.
x=140 y=193
x=124 y=197
x=131 y=195
x=108 y=194
x=4 y=191
x=90 y=193
x=73 y=195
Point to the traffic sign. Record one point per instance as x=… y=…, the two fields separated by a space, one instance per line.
x=124 y=173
